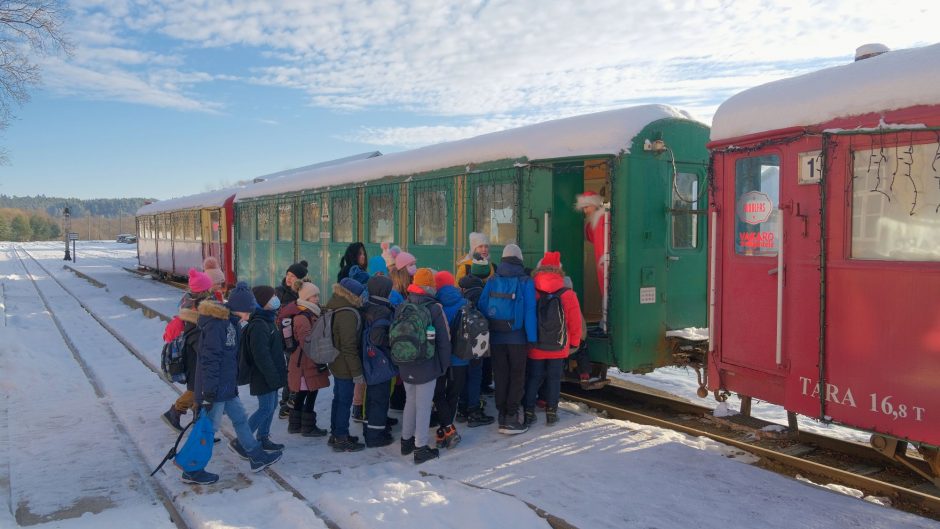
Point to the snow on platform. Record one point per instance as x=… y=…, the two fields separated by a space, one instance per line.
x=590 y=471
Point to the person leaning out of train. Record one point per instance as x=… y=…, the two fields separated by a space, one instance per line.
x=403 y=272
x=211 y=268
x=264 y=349
x=420 y=377
x=216 y=386
x=304 y=377
x=355 y=255
x=295 y=272
x=480 y=248
x=508 y=302
x=595 y=231
x=185 y=324
x=450 y=384
x=347 y=368
x=559 y=333
x=471 y=408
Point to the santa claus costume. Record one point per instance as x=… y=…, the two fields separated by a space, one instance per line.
x=595 y=231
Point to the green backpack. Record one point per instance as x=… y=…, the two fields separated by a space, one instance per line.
x=408 y=334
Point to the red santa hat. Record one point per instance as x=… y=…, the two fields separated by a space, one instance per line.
x=588 y=198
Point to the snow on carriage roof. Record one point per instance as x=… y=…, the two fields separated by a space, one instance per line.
x=600 y=133
x=893 y=80
x=218 y=198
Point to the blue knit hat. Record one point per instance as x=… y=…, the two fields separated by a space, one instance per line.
x=358 y=274
x=240 y=299
x=376 y=265
x=353 y=286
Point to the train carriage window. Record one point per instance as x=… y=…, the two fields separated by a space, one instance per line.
x=895 y=203
x=285 y=222
x=381 y=218
x=757 y=194
x=343 y=219
x=178 y=228
x=244 y=223
x=684 y=216
x=430 y=222
x=215 y=226
x=167 y=234
x=494 y=212
x=311 y=221
x=197 y=226
x=263 y=227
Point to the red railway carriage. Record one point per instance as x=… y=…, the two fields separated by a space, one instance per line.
x=825 y=248
x=178 y=234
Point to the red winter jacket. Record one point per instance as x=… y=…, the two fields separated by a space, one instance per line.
x=548 y=280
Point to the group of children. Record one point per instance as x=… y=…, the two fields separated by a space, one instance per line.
x=395 y=332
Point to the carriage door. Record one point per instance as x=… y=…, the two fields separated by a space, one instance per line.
x=212 y=234
x=750 y=268
x=685 y=278
x=284 y=246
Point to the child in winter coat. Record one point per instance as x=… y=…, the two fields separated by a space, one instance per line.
x=509 y=346
x=268 y=373
x=479 y=252
x=210 y=266
x=185 y=324
x=547 y=357
x=304 y=377
x=451 y=384
x=347 y=368
x=471 y=408
x=216 y=386
x=420 y=377
x=377 y=314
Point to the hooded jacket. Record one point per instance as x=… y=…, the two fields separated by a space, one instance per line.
x=345 y=333
x=266 y=346
x=547 y=281
x=217 y=358
x=472 y=287
x=451 y=300
x=190 y=317
x=512 y=267
x=429 y=370
x=299 y=366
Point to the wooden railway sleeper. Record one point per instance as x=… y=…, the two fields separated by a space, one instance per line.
x=896 y=450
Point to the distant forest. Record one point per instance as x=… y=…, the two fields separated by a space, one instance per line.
x=95 y=207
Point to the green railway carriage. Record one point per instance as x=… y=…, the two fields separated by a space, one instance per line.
x=649 y=163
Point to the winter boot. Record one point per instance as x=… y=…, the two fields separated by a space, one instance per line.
x=478 y=418
x=347 y=443
x=333 y=439
x=172 y=419
x=502 y=419
x=425 y=453
x=462 y=415
x=199 y=477
x=530 y=417
x=236 y=447
x=357 y=414
x=308 y=425
x=287 y=404
x=439 y=437
x=261 y=460
x=512 y=425
x=293 y=422
x=377 y=437
x=551 y=415
x=407 y=446
x=451 y=437
x=390 y=421
x=269 y=446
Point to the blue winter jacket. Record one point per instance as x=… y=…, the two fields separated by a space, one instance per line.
x=451 y=300
x=513 y=267
x=217 y=361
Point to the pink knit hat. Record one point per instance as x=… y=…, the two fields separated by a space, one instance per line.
x=217 y=276
x=404 y=260
x=198 y=281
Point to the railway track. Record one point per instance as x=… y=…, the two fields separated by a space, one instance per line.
x=813 y=456
x=160 y=492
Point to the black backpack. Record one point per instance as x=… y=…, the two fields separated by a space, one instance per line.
x=552 y=330
x=471 y=334
x=245 y=362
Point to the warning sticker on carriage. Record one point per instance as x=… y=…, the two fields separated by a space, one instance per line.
x=755 y=207
x=647 y=295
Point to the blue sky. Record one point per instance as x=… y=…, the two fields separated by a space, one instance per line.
x=163 y=99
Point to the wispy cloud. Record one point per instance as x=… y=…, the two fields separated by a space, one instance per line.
x=467 y=61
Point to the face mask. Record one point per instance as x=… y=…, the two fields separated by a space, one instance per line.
x=412 y=269
x=275 y=303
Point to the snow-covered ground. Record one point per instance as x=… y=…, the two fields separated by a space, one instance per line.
x=71 y=458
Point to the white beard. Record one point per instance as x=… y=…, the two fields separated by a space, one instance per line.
x=597 y=216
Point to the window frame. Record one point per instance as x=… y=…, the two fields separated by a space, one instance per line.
x=484 y=180
x=352 y=197
x=413 y=232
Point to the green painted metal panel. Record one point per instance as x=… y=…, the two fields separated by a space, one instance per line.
x=285 y=228
x=567 y=224
x=244 y=239
x=343 y=228
x=310 y=244
x=431 y=217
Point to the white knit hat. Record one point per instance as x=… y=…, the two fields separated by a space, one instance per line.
x=512 y=250
x=477 y=239
x=588 y=198
x=308 y=289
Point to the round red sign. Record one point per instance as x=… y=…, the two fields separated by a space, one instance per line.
x=755 y=207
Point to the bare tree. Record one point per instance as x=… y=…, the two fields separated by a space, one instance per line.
x=28 y=29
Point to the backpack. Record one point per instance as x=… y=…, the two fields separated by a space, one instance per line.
x=552 y=328
x=173 y=361
x=287 y=332
x=244 y=359
x=501 y=303
x=408 y=334
x=197 y=451
x=319 y=345
x=471 y=334
x=376 y=365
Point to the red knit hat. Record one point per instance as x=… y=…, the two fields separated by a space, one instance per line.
x=444 y=279
x=198 y=281
x=551 y=259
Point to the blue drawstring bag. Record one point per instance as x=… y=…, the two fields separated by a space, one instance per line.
x=196 y=451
